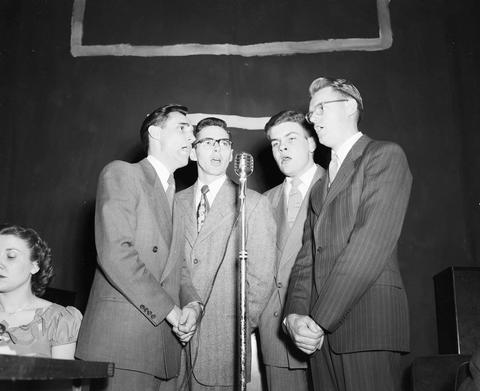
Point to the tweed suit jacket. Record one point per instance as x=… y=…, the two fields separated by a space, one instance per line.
x=277 y=348
x=215 y=346
x=141 y=274
x=346 y=276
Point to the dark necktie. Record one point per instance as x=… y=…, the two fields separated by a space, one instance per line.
x=203 y=207
x=170 y=191
x=294 y=202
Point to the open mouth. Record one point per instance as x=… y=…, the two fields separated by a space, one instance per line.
x=215 y=162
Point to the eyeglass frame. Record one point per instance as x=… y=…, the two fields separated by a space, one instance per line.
x=217 y=141
x=319 y=105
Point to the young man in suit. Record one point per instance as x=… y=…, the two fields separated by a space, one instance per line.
x=346 y=305
x=293 y=146
x=142 y=280
x=210 y=211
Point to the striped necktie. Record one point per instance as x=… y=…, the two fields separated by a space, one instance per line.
x=170 y=191
x=203 y=207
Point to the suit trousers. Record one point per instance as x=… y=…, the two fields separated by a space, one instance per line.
x=376 y=370
x=127 y=380
x=286 y=379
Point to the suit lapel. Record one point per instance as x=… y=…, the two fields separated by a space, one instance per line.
x=186 y=201
x=158 y=197
x=342 y=179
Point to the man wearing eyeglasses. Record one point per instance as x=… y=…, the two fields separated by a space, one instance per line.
x=293 y=146
x=210 y=211
x=352 y=319
x=142 y=280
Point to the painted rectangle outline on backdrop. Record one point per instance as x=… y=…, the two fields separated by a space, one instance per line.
x=384 y=41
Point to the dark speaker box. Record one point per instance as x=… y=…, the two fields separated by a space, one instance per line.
x=457 y=298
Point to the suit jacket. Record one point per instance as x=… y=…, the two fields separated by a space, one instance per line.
x=215 y=346
x=346 y=276
x=277 y=348
x=141 y=274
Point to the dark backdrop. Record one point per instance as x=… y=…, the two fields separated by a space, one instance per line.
x=64 y=118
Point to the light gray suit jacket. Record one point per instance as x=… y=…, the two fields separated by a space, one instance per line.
x=346 y=276
x=215 y=346
x=277 y=348
x=141 y=274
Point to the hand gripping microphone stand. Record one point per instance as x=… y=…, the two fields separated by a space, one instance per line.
x=243 y=167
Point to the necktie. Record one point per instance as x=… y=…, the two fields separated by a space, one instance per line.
x=203 y=207
x=170 y=190
x=333 y=167
x=294 y=202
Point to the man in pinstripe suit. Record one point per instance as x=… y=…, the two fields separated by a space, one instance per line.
x=346 y=305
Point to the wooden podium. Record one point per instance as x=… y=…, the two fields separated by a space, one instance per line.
x=20 y=372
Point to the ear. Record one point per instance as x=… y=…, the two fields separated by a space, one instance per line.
x=154 y=131
x=312 y=145
x=351 y=107
x=35 y=268
x=193 y=154
x=231 y=155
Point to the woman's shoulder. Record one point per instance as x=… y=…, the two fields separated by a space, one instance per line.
x=61 y=323
x=54 y=311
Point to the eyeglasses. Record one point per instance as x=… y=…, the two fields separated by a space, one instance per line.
x=208 y=142
x=319 y=108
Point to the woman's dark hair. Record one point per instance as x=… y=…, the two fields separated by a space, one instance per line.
x=40 y=253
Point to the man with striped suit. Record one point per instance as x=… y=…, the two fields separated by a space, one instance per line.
x=346 y=305
x=293 y=146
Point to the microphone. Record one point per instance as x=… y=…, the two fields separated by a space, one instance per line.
x=243 y=164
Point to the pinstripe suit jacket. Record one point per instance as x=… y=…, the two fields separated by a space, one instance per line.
x=346 y=276
x=214 y=346
x=277 y=348
x=141 y=274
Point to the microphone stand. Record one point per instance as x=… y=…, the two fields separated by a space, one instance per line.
x=243 y=257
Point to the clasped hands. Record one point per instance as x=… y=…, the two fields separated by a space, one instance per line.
x=184 y=321
x=305 y=333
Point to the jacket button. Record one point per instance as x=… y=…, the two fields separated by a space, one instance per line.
x=195 y=261
x=155 y=249
x=279 y=285
x=275 y=314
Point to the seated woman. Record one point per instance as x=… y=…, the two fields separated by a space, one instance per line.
x=29 y=325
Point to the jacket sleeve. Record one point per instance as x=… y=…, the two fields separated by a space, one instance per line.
x=115 y=226
x=300 y=283
x=373 y=239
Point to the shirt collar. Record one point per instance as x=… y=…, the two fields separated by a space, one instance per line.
x=214 y=188
x=305 y=181
x=345 y=148
x=161 y=170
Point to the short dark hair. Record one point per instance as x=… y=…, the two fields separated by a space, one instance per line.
x=158 y=117
x=40 y=253
x=343 y=86
x=211 y=121
x=289 y=116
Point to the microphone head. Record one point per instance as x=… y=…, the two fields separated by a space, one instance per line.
x=243 y=164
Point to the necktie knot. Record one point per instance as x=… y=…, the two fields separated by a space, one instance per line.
x=205 y=189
